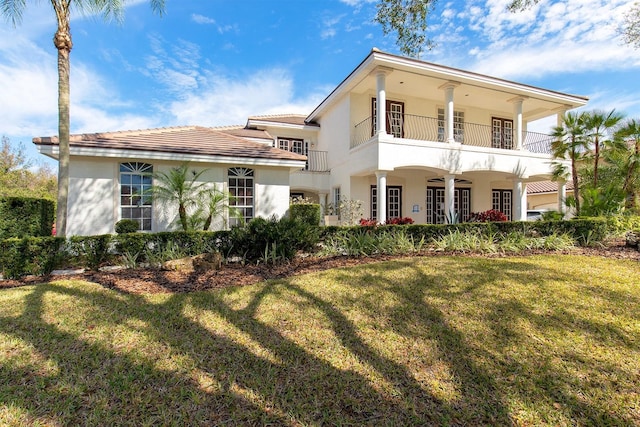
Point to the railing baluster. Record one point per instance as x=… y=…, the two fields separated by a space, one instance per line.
x=431 y=129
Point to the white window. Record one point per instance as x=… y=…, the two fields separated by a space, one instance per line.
x=501 y=200
x=336 y=200
x=458 y=126
x=294 y=145
x=241 y=194
x=394 y=202
x=135 y=199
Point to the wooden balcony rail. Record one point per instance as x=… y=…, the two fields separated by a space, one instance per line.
x=409 y=126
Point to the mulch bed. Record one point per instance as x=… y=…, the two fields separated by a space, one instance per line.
x=147 y=281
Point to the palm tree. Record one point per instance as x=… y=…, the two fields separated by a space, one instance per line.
x=598 y=125
x=174 y=186
x=628 y=136
x=109 y=9
x=570 y=144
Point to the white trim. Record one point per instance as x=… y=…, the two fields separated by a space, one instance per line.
x=447 y=74
x=265 y=123
x=53 y=150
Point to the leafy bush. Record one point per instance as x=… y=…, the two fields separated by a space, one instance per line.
x=308 y=213
x=23 y=217
x=280 y=238
x=492 y=215
x=127 y=226
x=91 y=251
x=359 y=241
x=30 y=255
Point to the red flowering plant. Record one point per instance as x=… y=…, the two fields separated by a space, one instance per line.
x=399 y=221
x=492 y=215
x=368 y=222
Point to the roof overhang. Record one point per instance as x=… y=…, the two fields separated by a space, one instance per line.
x=53 y=151
x=377 y=60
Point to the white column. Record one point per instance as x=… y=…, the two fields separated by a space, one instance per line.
x=449 y=109
x=381 y=102
x=382 y=196
x=517 y=121
x=449 y=197
x=562 y=197
x=519 y=200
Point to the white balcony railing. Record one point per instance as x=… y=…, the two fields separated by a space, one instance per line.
x=431 y=129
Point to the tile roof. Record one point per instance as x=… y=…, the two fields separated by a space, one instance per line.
x=290 y=119
x=193 y=140
x=546 y=187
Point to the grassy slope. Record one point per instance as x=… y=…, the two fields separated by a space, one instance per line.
x=545 y=340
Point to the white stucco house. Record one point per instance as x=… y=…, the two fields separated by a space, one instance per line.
x=407 y=137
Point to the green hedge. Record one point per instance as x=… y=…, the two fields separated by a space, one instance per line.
x=31 y=255
x=23 y=217
x=308 y=213
x=280 y=238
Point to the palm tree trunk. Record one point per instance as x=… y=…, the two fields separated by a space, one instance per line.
x=62 y=41
x=595 y=163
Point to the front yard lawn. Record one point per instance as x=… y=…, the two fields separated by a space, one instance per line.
x=539 y=340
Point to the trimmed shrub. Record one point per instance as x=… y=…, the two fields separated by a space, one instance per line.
x=91 y=251
x=127 y=226
x=271 y=238
x=308 y=213
x=30 y=255
x=23 y=217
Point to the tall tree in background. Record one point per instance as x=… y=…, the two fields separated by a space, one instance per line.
x=108 y=9
x=570 y=144
x=408 y=19
x=598 y=126
x=628 y=157
x=630 y=27
x=19 y=177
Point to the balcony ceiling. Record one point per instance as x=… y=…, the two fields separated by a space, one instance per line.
x=402 y=85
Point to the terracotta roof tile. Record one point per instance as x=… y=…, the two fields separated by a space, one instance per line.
x=183 y=140
x=545 y=187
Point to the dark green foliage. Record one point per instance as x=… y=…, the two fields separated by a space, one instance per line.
x=127 y=226
x=30 y=255
x=24 y=217
x=281 y=238
x=91 y=251
x=308 y=213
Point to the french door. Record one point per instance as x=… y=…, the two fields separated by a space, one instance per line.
x=502 y=133
x=502 y=200
x=436 y=207
x=395 y=117
x=394 y=202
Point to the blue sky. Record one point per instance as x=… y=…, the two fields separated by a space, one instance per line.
x=216 y=62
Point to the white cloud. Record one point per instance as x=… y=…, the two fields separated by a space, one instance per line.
x=201 y=19
x=564 y=36
x=225 y=99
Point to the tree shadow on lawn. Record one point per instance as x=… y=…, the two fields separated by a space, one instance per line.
x=546 y=379
x=96 y=383
x=223 y=380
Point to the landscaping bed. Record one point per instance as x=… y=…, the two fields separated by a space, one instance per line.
x=154 y=280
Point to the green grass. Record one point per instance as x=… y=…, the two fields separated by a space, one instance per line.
x=542 y=340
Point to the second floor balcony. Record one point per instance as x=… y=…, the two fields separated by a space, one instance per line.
x=500 y=135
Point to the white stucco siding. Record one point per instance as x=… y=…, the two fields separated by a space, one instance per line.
x=91 y=205
x=460 y=158
x=272 y=192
